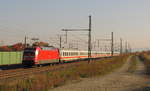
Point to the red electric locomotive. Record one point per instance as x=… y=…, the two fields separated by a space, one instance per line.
x=40 y=55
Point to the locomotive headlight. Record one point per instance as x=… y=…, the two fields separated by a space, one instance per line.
x=36 y=52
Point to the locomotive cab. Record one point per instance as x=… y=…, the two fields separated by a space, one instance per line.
x=29 y=56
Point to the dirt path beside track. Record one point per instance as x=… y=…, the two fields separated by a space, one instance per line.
x=119 y=80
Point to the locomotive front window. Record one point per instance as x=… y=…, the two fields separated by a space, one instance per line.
x=29 y=52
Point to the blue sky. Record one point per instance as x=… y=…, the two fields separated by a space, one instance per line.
x=129 y=19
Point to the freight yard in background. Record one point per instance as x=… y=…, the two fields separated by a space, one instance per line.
x=76 y=45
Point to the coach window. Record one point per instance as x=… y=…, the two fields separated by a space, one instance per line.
x=82 y=53
x=76 y=53
x=67 y=53
x=71 y=54
x=63 y=53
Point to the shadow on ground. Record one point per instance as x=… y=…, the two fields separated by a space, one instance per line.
x=143 y=89
x=7 y=67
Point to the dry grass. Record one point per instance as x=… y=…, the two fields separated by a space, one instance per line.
x=133 y=64
x=145 y=57
x=45 y=81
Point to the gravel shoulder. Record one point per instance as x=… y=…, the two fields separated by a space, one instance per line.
x=119 y=80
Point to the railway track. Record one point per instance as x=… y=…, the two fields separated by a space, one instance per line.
x=26 y=72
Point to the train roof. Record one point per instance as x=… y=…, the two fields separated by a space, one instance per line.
x=41 y=47
x=66 y=50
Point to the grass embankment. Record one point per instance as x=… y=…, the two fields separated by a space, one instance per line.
x=133 y=64
x=145 y=57
x=45 y=81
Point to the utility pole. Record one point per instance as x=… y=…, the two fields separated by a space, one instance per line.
x=25 y=42
x=77 y=45
x=105 y=49
x=120 y=45
x=129 y=48
x=98 y=45
x=126 y=47
x=60 y=41
x=66 y=36
x=112 y=44
x=89 y=41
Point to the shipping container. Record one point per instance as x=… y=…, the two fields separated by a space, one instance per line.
x=9 y=58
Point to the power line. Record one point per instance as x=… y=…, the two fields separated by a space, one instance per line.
x=89 y=37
